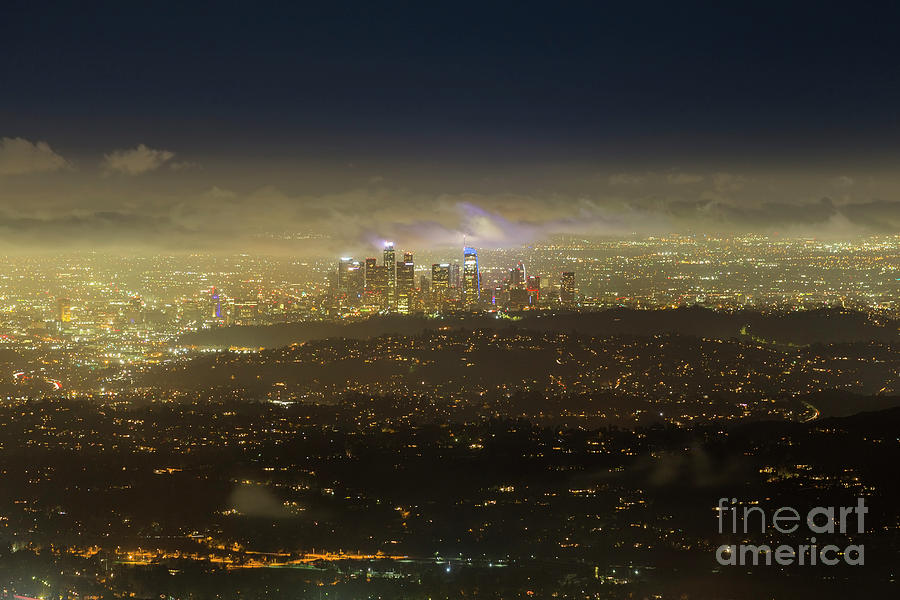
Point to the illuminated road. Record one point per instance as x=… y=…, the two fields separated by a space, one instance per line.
x=815 y=410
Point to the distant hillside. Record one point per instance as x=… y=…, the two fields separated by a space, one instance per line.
x=797 y=328
x=504 y=367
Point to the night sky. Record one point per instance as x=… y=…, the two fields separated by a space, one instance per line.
x=169 y=126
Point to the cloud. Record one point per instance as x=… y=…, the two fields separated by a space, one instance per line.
x=728 y=182
x=217 y=193
x=683 y=178
x=696 y=468
x=256 y=501
x=183 y=165
x=136 y=161
x=288 y=213
x=626 y=179
x=77 y=228
x=18 y=156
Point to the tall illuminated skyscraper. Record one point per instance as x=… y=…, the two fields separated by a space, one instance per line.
x=390 y=262
x=440 y=278
x=215 y=303
x=370 y=277
x=533 y=285
x=356 y=279
x=406 y=283
x=382 y=287
x=454 y=275
x=517 y=276
x=351 y=279
x=567 y=287
x=471 y=279
x=343 y=274
x=65 y=310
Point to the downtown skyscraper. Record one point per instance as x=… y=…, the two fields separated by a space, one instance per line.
x=390 y=263
x=406 y=283
x=471 y=278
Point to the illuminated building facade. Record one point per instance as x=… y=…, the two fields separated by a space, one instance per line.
x=343 y=274
x=471 y=279
x=517 y=276
x=369 y=286
x=440 y=277
x=533 y=286
x=390 y=293
x=406 y=284
x=351 y=279
x=64 y=310
x=215 y=304
x=567 y=288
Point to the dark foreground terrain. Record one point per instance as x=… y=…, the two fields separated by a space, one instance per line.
x=267 y=501
x=498 y=462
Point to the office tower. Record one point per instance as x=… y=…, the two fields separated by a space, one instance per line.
x=440 y=278
x=351 y=279
x=381 y=286
x=454 y=275
x=517 y=276
x=215 y=303
x=471 y=280
x=356 y=280
x=370 y=276
x=391 y=265
x=406 y=283
x=424 y=286
x=567 y=288
x=134 y=312
x=533 y=285
x=343 y=274
x=246 y=313
x=64 y=312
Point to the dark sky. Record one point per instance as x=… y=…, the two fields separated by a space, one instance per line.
x=450 y=105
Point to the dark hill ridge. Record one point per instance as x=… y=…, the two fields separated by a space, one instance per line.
x=826 y=326
x=713 y=376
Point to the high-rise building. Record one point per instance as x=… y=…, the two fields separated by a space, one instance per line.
x=134 y=311
x=567 y=287
x=246 y=313
x=215 y=303
x=381 y=285
x=533 y=285
x=454 y=276
x=471 y=279
x=517 y=276
x=391 y=264
x=351 y=279
x=343 y=274
x=64 y=312
x=370 y=276
x=440 y=278
x=406 y=283
x=356 y=280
